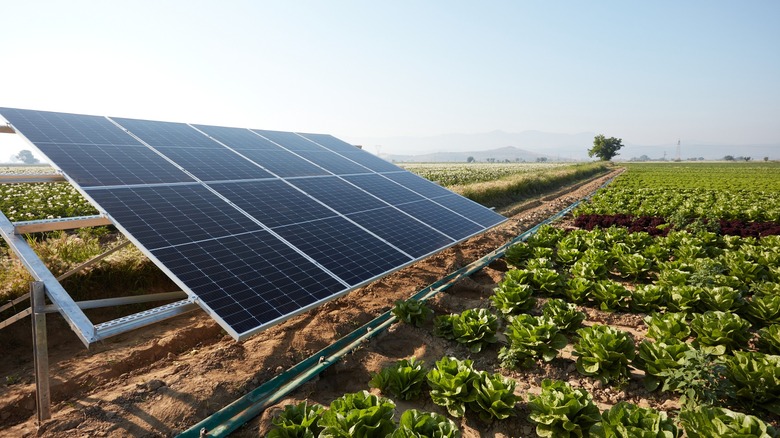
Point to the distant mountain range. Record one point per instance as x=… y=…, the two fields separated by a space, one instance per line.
x=530 y=145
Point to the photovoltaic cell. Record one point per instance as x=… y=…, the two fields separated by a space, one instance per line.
x=273 y=202
x=167 y=134
x=402 y=231
x=103 y=165
x=272 y=223
x=214 y=164
x=338 y=194
x=449 y=223
x=330 y=142
x=238 y=138
x=470 y=209
x=418 y=184
x=383 y=188
x=343 y=248
x=283 y=163
x=371 y=161
x=249 y=280
x=333 y=163
x=160 y=216
x=62 y=128
x=289 y=140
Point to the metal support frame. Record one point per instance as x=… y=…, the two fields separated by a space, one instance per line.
x=67 y=223
x=92 y=261
x=40 y=350
x=47 y=285
x=14 y=179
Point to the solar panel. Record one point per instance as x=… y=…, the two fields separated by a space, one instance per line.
x=254 y=225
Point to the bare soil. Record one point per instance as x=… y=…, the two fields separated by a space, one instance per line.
x=160 y=380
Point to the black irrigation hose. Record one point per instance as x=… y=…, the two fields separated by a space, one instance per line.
x=236 y=414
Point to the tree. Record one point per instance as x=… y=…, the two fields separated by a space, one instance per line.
x=470 y=160
x=26 y=157
x=766 y=158
x=728 y=158
x=746 y=158
x=605 y=148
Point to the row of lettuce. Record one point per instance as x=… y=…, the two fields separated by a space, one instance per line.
x=699 y=346
x=710 y=300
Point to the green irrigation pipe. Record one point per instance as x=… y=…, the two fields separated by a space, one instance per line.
x=236 y=414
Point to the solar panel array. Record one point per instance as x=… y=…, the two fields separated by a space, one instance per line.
x=257 y=225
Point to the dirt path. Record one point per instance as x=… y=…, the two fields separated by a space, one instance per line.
x=159 y=380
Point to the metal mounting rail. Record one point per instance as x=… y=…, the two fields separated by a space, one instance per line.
x=65 y=223
x=140 y=319
x=17 y=179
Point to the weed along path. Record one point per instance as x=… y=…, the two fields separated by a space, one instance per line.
x=160 y=380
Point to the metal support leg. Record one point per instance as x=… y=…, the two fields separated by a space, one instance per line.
x=40 y=350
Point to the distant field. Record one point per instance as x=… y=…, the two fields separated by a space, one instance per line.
x=25 y=169
x=452 y=174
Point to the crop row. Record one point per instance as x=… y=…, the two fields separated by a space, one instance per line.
x=680 y=194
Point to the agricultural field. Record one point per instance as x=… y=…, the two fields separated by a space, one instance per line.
x=455 y=174
x=606 y=331
x=659 y=324
x=502 y=184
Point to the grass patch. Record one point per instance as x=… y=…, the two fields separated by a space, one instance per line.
x=514 y=188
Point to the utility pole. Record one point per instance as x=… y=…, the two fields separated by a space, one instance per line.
x=678 y=157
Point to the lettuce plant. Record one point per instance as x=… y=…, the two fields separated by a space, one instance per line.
x=564 y=315
x=531 y=337
x=670 y=276
x=683 y=298
x=603 y=352
x=418 y=424
x=568 y=256
x=741 y=267
x=769 y=339
x=579 y=289
x=494 y=397
x=452 y=384
x=764 y=310
x=648 y=298
x=412 y=311
x=671 y=325
x=593 y=265
x=474 y=328
x=546 y=236
x=519 y=253
x=756 y=377
x=297 y=421
x=512 y=297
x=610 y=295
x=723 y=298
x=660 y=359
x=633 y=265
x=627 y=420
x=547 y=280
x=708 y=422
x=404 y=379
x=562 y=411
x=720 y=332
x=765 y=288
x=539 y=263
x=358 y=414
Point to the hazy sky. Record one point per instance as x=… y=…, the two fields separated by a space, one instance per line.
x=648 y=72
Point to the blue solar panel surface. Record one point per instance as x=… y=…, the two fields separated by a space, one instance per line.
x=256 y=225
